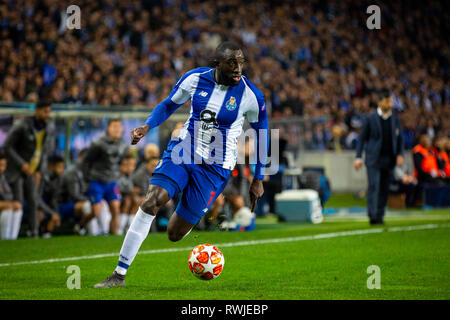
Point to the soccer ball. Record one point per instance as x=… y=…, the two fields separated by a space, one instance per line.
x=206 y=261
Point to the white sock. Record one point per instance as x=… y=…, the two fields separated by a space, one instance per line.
x=5 y=224
x=86 y=208
x=136 y=234
x=93 y=228
x=123 y=218
x=15 y=224
x=104 y=218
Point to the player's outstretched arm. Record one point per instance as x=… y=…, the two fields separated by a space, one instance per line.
x=160 y=114
x=162 y=111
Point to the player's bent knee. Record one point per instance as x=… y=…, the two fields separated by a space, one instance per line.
x=150 y=206
x=154 y=200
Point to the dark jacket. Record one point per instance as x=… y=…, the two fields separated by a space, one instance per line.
x=103 y=158
x=73 y=185
x=6 y=193
x=21 y=143
x=125 y=184
x=49 y=187
x=370 y=138
x=141 y=178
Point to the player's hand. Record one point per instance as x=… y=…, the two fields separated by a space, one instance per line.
x=357 y=164
x=399 y=160
x=16 y=205
x=138 y=133
x=26 y=169
x=55 y=219
x=256 y=191
x=37 y=178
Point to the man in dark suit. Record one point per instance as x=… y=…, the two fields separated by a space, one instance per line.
x=27 y=147
x=382 y=139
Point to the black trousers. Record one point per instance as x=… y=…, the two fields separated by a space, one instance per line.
x=378 y=191
x=25 y=190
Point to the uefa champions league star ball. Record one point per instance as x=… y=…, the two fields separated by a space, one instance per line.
x=206 y=261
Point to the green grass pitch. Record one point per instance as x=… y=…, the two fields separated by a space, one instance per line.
x=414 y=264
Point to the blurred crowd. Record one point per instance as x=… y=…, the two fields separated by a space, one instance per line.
x=312 y=59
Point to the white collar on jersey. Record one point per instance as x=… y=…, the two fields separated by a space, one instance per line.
x=384 y=116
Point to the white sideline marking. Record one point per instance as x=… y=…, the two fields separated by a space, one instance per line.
x=246 y=243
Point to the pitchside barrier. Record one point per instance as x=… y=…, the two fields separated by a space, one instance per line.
x=339 y=168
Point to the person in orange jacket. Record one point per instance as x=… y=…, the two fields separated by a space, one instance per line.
x=426 y=167
x=444 y=156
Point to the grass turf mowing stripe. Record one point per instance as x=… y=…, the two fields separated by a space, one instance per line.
x=246 y=243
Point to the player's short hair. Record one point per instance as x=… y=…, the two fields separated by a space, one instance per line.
x=221 y=48
x=127 y=157
x=2 y=155
x=111 y=120
x=43 y=104
x=383 y=93
x=54 y=159
x=422 y=138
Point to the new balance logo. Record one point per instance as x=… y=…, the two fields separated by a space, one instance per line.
x=204 y=210
x=203 y=93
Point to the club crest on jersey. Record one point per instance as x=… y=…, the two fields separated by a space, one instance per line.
x=231 y=104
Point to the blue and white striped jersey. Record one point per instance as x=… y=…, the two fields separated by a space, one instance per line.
x=216 y=117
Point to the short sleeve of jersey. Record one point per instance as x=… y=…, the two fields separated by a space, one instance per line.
x=257 y=106
x=185 y=87
x=181 y=93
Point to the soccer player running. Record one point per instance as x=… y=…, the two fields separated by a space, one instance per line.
x=221 y=98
